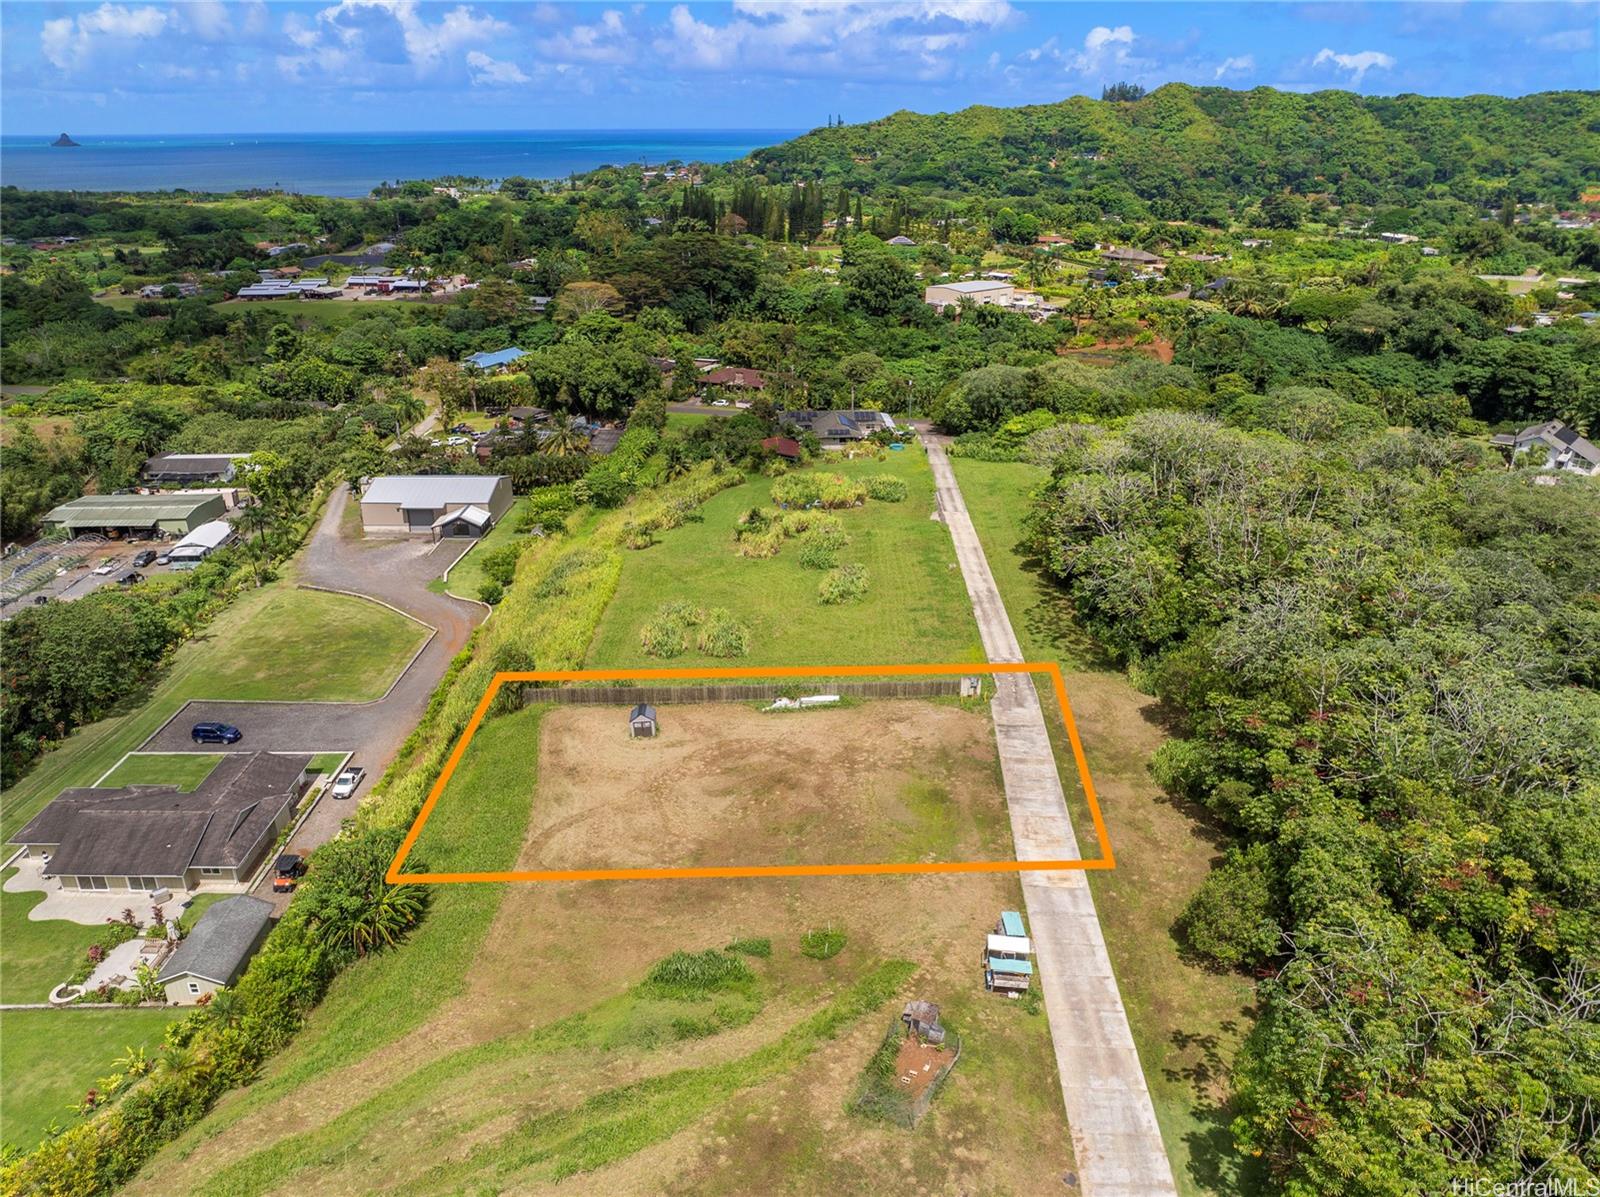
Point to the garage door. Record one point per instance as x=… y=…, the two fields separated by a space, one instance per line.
x=420 y=519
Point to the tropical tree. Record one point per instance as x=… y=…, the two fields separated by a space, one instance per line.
x=564 y=437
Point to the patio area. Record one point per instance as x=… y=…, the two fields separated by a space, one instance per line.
x=75 y=906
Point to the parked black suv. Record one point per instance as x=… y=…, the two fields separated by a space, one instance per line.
x=216 y=733
x=143 y=558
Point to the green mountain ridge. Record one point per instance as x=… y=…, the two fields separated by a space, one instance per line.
x=1185 y=152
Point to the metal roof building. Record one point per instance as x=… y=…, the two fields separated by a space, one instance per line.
x=177 y=514
x=500 y=357
x=406 y=503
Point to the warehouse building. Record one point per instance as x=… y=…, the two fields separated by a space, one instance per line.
x=435 y=504
x=175 y=514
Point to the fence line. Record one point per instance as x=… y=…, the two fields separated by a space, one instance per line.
x=664 y=693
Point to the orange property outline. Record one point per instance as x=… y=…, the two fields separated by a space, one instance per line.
x=1106 y=860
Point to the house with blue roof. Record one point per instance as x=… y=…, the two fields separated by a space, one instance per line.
x=497 y=360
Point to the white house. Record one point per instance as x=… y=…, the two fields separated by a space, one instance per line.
x=1560 y=446
x=978 y=290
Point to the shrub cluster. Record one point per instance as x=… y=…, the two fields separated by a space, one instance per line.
x=842 y=585
x=668 y=632
x=761 y=531
x=886 y=488
x=820 y=490
x=824 y=943
x=761 y=948
x=690 y=975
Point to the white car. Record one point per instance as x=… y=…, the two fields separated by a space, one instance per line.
x=108 y=566
x=458 y=441
x=719 y=403
x=345 y=784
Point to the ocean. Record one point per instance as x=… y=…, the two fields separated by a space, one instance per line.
x=349 y=164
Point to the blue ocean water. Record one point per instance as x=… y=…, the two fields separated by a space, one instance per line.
x=349 y=163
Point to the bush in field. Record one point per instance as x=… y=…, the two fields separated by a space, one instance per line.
x=822 y=944
x=721 y=635
x=823 y=490
x=490 y=591
x=886 y=488
x=762 y=531
x=842 y=585
x=689 y=975
x=818 y=552
x=751 y=947
x=666 y=634
x=500 y=565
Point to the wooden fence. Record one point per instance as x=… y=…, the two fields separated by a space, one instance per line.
x=668 y=692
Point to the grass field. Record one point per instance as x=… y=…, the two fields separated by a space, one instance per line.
x=1187 y=1021
x=539 y=1074
x=186 y=770
x=53 y=1056
x=916 y=607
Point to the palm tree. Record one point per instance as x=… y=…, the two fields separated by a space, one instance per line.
x=379 y=922
x=564 y=439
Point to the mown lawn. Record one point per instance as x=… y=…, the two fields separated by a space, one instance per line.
x=186 y=770
x=915 y=610
x=1186 y=1021
x=52 y=1057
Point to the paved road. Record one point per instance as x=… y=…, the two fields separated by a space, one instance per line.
x=1114 y=1131
x=396 y=572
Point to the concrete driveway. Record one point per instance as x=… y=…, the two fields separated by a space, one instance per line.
x=395 y=572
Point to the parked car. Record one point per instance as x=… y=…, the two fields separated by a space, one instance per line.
x=215 y=733
x=719 y=403
x=458 y=441
x=144 y=558
x=108 y=566
x=40 y=600
x=290 y=869
x=461 y=428
x=129 y=578
x=345 y=784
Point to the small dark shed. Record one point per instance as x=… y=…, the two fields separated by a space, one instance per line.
x=642 y=721
x=922 y=1019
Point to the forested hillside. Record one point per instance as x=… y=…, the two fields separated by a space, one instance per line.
x=1197 y=153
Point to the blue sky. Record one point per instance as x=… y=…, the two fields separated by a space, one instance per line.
x=246 y=66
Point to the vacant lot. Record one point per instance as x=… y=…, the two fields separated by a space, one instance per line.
x=727 y=784
x=1186 y=1020
x=915 y=608
x=544 y=1057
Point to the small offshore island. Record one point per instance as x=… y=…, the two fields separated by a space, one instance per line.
x=63 y=140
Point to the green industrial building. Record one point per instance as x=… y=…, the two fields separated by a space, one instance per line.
x=176 y=514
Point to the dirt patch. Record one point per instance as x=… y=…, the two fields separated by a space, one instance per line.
x=729 y=785
x=917 y=1066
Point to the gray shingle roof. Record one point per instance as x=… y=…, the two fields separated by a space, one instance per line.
x=158 y=831
x=222 y=942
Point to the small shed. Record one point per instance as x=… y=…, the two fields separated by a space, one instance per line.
x=922 y=1019
x=217 y=950
x=642 y=722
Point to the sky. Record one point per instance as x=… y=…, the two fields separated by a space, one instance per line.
x=247 y=66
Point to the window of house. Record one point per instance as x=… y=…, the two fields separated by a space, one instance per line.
x=194 y=987
x=210 y=872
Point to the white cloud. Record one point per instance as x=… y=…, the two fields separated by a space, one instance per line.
x=206 y=19
x=427 y=44
x=1242 y=64
x=490 y=71
x=1105 y=51
x=1356 y=65
x=1103 y=46
x=67 y=41
x=825 y=37
x=605 y=41
x=1565 y=41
